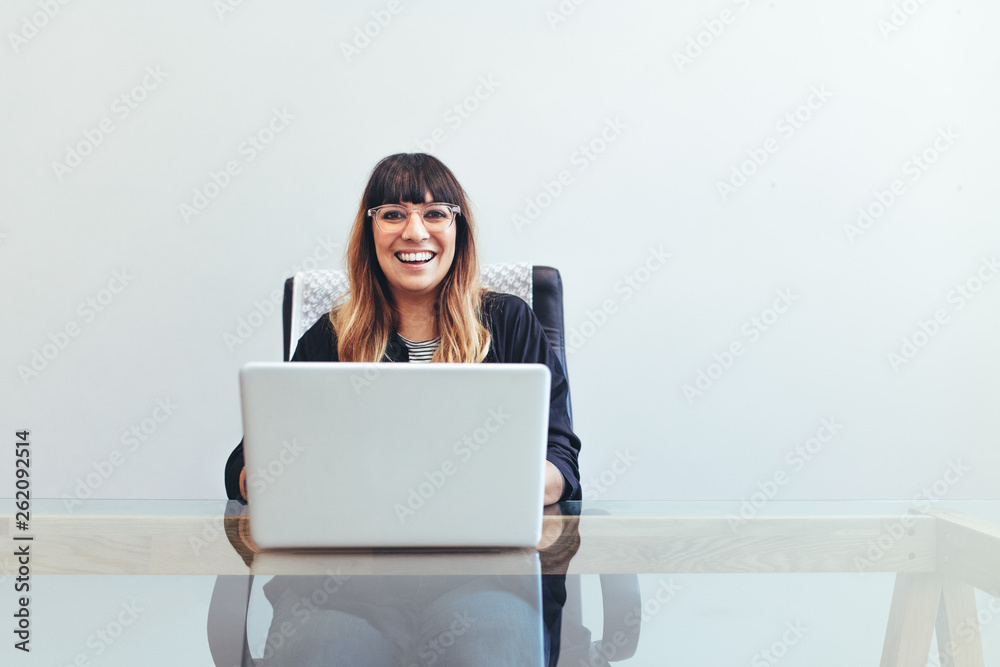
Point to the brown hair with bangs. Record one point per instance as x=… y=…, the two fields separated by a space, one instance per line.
x=368 y=318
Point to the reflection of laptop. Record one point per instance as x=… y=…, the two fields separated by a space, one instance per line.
x=395 y=455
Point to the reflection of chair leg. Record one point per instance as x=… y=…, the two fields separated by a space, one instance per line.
x=622 y=615
x=915 y=600
x=227 y=621
x=959 y=643
x=574 y=642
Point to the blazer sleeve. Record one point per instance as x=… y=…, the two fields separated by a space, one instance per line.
x=519 y=338
x=319 y=343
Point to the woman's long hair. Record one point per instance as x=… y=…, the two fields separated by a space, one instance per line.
x=368 y=318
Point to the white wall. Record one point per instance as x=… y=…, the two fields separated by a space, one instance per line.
x=679 y=130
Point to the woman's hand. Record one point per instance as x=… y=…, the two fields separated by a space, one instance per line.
x=243 y=482
x=560 y=539
x=553 y=483
x=552 y=526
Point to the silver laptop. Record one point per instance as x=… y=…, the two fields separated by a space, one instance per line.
x=347 y=455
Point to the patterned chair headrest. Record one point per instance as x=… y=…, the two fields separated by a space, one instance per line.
x=315 y=292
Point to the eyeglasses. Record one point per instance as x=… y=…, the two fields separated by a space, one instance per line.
x=435 y=215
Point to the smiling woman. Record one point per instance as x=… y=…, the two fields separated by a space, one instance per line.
x=415 y=296
x=414 y=221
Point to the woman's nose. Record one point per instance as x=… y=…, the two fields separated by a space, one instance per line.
x=415 y=228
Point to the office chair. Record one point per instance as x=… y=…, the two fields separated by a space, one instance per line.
x=308 y=296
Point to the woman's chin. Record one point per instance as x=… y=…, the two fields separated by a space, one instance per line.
x=414 y=285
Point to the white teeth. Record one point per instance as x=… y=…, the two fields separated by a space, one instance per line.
x=415 y=256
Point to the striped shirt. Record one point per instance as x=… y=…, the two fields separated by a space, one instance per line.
x=421 y=353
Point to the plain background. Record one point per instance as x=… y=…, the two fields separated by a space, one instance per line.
x=679 y=129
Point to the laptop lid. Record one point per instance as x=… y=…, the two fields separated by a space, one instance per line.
x=355 y=455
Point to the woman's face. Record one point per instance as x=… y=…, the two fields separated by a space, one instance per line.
x=408 y=279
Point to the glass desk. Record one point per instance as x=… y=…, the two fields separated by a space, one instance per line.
x=149 y=582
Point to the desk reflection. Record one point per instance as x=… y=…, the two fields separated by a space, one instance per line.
x=405 y=619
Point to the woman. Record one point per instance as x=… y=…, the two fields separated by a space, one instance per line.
x=415 y=296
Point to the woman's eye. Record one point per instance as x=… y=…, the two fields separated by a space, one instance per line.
x=435 y=214
x=392 y=215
